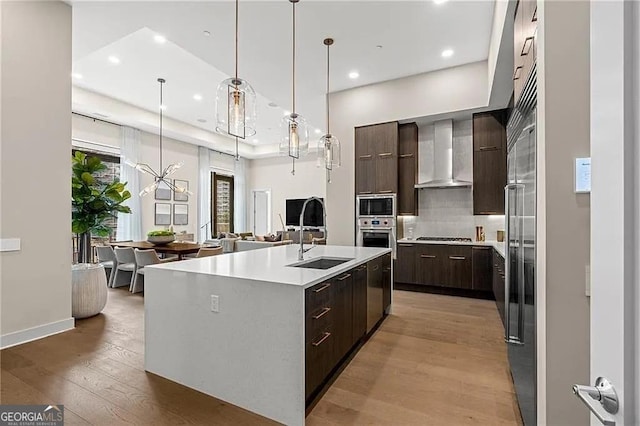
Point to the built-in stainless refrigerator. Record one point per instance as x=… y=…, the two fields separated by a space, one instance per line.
x=520 y=258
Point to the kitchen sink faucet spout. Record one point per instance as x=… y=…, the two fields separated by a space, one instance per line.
x=302 y=250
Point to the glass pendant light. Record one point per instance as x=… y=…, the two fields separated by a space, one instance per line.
x=295 y=133
x=329 y=145
x=162 y=175
x=236 y=109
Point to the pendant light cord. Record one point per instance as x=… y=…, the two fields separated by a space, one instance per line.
x=161 y=105
x=294 y=60
x=237 y=1
x=328 y=70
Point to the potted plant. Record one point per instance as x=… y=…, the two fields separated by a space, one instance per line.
x=93 y=203
x=160 y=237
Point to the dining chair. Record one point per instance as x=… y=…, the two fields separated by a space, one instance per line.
x=144 y=258
x=126 y=266
x=209 y=251
x=107 y=258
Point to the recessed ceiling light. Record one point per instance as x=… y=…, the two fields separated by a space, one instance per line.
x=206 y=33
x=77 y=76
x=318 y=131
x=447 y=53
x=287 y=112
x=378 y=46
x=273 y=105
x=256 y=140
x=163 y=107
x=160 y=39
x=201 y=120
x=354 y=74
x=197 y=97
x=440 y=1
x=114 y=59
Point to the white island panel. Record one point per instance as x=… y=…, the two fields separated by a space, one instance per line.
x=251 y=353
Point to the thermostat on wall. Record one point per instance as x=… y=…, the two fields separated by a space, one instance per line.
x=583 y=175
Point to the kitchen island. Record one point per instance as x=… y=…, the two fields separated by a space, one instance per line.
x=254 y=330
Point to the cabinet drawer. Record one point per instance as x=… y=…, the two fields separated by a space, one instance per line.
x=318 y=321
x=319 y=354
x=318 y=296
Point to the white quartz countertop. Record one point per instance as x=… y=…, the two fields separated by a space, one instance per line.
x=500 y=247
x=271 y=264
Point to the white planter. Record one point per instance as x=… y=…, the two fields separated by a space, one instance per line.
x=88 y=290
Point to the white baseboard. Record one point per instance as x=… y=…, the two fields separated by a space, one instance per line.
x=35 y=333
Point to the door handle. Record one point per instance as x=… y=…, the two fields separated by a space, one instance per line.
x=604 y=393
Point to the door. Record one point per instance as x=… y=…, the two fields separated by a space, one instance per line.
x=430 y=264
x=261 y=212
x=221 y=203
x=405 y=266
x=615 y=300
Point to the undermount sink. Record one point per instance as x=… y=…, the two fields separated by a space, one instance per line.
x=320 y=263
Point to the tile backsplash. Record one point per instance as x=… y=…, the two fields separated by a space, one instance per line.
x=448 y=212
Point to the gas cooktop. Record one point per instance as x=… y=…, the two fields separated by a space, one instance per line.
x=454 y=239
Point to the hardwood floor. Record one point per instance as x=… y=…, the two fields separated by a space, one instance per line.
x=438 y=360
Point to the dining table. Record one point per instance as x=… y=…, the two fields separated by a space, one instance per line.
x=178 y=248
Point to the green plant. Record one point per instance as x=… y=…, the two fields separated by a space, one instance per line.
x=92 y=202
x=160 y=233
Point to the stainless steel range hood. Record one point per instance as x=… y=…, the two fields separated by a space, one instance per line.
x=443 y=159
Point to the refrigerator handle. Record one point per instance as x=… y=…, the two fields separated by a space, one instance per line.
x=507 y=276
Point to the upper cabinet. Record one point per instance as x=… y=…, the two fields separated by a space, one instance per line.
x=376 y=149
x=489 y=162
x=524 y=43
x=407 y=169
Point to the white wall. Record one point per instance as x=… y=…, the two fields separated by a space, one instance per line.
x=174 y=151
x=453 y=89
x=275 y=174
x=35 y=169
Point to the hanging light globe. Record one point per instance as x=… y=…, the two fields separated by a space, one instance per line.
x=329 y=152
x=294 y=141
x=236 y=108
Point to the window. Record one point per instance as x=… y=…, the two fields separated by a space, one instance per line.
x=221 y=203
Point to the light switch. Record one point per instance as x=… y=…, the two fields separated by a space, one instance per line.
x=10 y=244
x=215 y=300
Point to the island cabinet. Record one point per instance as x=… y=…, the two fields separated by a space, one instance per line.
x=376 y=150
x=321 y=339
x=359 y=302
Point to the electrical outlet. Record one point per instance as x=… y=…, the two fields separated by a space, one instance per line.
x=215 y=303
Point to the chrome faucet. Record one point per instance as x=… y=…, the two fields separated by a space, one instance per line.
x=302 y=250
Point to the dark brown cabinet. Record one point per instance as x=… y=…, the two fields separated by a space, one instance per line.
x=376 y=149
x=489 y=162
x=405 y=264
x=343 y=318
x=430 y=264
x=457 y=267
x=524 y=44
x=359 y=302
x=482 y=258
x=336 y=318
x=320 y=335
x=407 y=169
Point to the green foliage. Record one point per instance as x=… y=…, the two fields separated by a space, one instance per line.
x=160 y=233
x=93 y=203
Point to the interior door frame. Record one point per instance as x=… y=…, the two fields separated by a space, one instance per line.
x=614 y=202
x=269 y=212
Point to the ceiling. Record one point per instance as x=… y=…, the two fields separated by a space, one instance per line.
x=412 y=36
